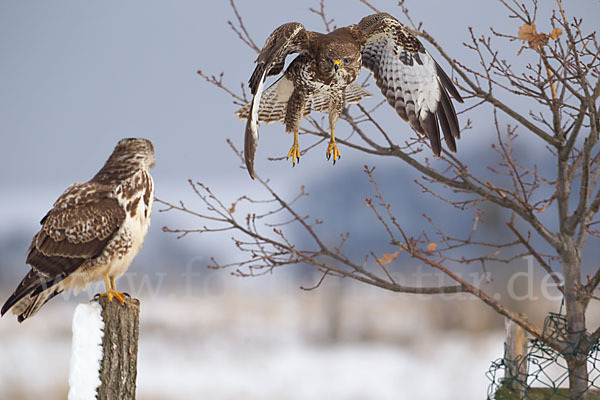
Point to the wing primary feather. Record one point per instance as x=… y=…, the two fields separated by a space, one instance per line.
x=410 y=79
x=46 y=285
x=27 y=286
x=450 y=114
x=12 y=300
x=257 y=76
x=447 y=83
x=448 y=136
x=430 y=126
x=412 y=117
x=37 y=302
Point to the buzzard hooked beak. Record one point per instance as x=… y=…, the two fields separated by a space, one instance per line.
x=336 y=65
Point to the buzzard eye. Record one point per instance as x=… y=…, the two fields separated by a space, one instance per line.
x=347 y=60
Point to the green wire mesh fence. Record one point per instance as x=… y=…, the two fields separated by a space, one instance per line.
x=547 y=371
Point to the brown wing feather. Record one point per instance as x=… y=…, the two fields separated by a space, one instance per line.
x=410 y=79
x=285 y=40
x=82 y=221
x=79 y=226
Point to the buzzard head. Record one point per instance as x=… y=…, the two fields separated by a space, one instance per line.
x=129 y=156
x=339 y=58
x=135 y=151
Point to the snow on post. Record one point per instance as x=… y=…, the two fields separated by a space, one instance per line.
x=86 y=351
x=104 y=350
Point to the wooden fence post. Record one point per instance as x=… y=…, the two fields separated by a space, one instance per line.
x=104 y=350
x=515 y=354
x=118 y=370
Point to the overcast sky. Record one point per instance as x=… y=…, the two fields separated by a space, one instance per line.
x=75 y=77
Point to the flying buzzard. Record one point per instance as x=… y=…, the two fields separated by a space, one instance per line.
x=322 y=78
x=93 y=232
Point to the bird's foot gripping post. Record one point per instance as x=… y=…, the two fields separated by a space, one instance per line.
x=332 y=149
x=111 y=293
x=294 y=150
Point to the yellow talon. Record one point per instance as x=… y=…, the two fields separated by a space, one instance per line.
x=111 y=293
x=295 y=154
x=294 y=150
x=332 y=149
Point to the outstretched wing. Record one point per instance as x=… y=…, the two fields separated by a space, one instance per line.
x=287 y=39
x=410 y=79
x=79 y=226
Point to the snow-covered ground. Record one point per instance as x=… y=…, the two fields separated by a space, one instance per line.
x=291 y=345
x=450 y=367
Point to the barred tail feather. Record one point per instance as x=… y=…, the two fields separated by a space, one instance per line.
x=31 y=294
x=30 y=305
x=273 y=104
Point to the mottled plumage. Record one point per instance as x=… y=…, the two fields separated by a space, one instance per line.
x=322 y=76
x=93 y=231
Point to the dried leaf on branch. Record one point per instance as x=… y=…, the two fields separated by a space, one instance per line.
x=388 y=258
x=528 y=34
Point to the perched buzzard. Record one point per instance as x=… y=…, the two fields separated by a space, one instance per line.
x=322 y=78
x=93 y=232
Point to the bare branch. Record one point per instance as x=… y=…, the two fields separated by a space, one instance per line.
x=536 y=255
x=556 y=76
x=240 y=30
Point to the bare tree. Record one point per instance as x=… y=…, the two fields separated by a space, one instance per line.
x=557 y=73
